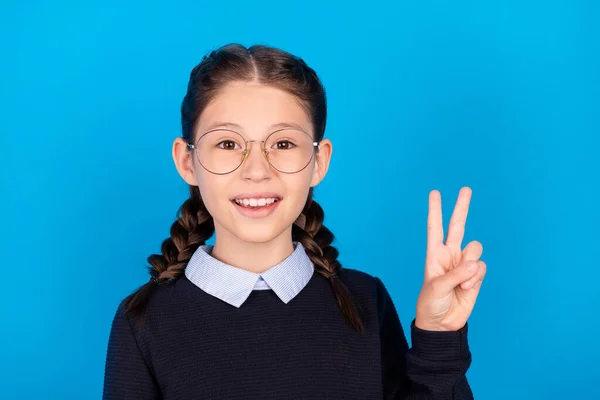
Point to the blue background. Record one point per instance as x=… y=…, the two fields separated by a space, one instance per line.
x=501 y=96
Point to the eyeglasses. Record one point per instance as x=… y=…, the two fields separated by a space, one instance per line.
x=222 y=151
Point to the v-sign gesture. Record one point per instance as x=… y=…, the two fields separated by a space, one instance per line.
x=453 y=276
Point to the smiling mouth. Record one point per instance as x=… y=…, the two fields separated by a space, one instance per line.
x=256 y=208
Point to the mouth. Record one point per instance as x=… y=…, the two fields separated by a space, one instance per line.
x=256 y=207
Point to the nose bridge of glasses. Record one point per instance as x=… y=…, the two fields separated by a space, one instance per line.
x=249 y=148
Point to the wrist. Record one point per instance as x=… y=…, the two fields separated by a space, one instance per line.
x=426 y=325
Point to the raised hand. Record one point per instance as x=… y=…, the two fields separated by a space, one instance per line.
x=453 y=276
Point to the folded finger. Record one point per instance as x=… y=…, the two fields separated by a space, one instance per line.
x=476 y=280
x=472 y=251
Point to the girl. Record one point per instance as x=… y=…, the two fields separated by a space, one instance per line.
x=268 y=312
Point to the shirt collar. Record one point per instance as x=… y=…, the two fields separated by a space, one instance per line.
x=233 y=285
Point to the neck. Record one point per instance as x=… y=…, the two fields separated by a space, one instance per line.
x=252 y=256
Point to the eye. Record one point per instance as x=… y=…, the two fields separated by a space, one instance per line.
x=284 y=145
x=227 y=145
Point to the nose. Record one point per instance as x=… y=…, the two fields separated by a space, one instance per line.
x=255 y=165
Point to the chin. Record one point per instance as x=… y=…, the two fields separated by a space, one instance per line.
x=256 y=234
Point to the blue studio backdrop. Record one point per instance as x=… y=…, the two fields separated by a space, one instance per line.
x=501 y=96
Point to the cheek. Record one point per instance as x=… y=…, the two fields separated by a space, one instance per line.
x=212 y=189
x=297 y=188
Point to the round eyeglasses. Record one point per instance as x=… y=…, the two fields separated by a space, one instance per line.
x=222 y=151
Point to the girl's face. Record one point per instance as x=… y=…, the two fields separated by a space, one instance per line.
x=253 y=110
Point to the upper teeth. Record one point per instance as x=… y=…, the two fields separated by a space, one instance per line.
x=255 y=202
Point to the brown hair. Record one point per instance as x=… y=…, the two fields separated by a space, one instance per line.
x=194 y=224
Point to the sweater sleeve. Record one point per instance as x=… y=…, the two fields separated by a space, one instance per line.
x=126 y=374
x=434 y=368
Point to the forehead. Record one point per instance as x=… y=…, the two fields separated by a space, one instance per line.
x=254 y=108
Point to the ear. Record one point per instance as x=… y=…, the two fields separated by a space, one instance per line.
x=184 y=161
x=322 y=159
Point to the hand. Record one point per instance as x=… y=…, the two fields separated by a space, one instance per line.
x=453 y=276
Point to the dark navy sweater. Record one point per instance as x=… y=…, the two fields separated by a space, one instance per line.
x=195 y=346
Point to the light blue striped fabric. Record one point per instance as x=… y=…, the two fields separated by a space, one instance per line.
x=233 y=285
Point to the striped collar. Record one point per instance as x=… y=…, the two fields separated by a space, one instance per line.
x=233 y=285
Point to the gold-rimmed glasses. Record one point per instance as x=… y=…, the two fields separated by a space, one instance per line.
x=222 y=151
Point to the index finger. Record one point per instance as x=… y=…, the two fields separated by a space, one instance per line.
x=435 y=229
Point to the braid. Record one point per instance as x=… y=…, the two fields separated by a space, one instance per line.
x=316 y=239
x=191 y=230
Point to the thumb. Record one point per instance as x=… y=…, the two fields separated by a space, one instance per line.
x=451 y=279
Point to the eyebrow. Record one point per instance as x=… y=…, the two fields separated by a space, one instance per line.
x=234 y=126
